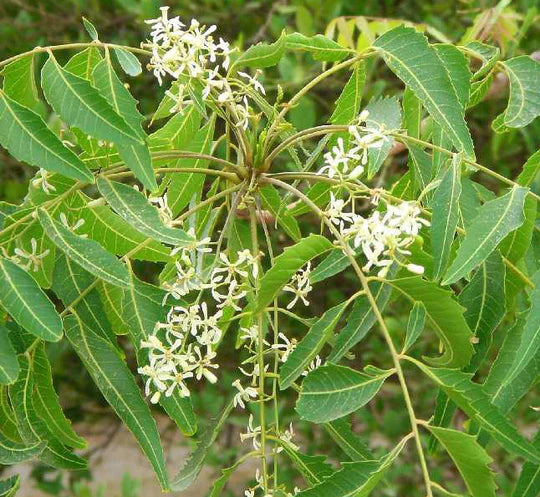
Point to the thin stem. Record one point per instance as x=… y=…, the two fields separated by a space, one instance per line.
x=386 y=334
x=193 y=170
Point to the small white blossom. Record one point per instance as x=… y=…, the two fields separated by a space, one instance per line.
x=30 y=260
x=300 y=286
x=314 y=364
x=286 y=347
x=41 y=179
x=243 y=395
x=253 y=432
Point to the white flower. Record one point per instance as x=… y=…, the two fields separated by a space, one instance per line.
x=41 y=180
x=158 y=376
x=178 y=381
x=252 y=81
x=243 y=395
x=314 y=364
x=415 y=268
x=287 y=438
x=253 y=432
x=33 y=258
x=165 y=212
x=286 y=347
x=204 y=362
x=300 y=286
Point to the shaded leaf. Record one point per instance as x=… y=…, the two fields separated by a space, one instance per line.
x=9 y=366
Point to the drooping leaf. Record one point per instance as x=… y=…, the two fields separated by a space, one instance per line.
x=262 y=54
x=495 y=219
x=524 y=101
x=27 y=304
x=9 y=366
x=10 y=486
x=488 y=55
x=47 y=404
x=341 y=432
x=472 y=399
x=142 y=310
x=129 y=62
x=415 y=62
x=15 y=453
x=446 y=316
x=81 y=105
x=133 y=206
x=32 y=428
x=415 y=325
x=136 y=156
x=286 y=265
x=321 y=47
x=19 y=82
x=116 y=383
x=27 y=138
x=445 y=216
x=310 y=345
x=470 y=458
x=331 y=392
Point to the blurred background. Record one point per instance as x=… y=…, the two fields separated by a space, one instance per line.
x=117 y=467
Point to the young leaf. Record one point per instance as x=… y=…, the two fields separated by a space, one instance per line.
x=310 y=345
x=495 y=219
x=356 y=479
x=472 y=399
x=321 y=47
x=488 y=54
x=348 y=103
x=524 y=101
x=446 y=316
x=47 y=404
x=262 y=54
x=27 y=138
x=445 y=216
x=142 y=309
x=15 y=453
x=470 y=458
x=89 y=254
x=135 y=156
x=9 y=366
x=331 y=392
x=415 y=325
x=360 y=321
x=133 y=206
x=20 y=82
x=118 y=386
x=530 y=170
x=90 y=29
x=286 y=265
x=130 y=64
x=81 y=105
x=273 y=202
x=22 y=298
x=408 y=54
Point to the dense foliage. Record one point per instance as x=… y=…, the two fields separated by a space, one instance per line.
x=239 y=252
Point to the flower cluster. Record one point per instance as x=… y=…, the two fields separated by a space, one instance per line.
x=29 y=260
x=299 y=286
x=380 y=236
x=190 y=53
x=349 y=163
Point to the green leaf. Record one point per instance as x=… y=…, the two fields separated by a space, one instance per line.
x=15 y=453
x=118 y=386
x=71 y=284
x=472 y=399
x=470 y=458
x=90 y=29
x=415 y=325
x=321 y=47
x=191 y=469
x=262 y=54
x=9 y=366
x=27 y=138
x=360 y=321
x=495 y=219
x=310 y=345
x=457 y=67
x=335 y=262
x=89 y=254
x=383 y=114
x=129 y=62
x=331 y=392
x=272 y=201
x=142 y=309
x=446 y=316
x=341 y=432
x=286 y=265
x=515 y=245
x=135 y=156
x=112 y=301
x=530 y=170
x=524 y=101
x=10 y=486
x=20 y=82
x=80 y=104
x=408 y=54
x=133 y=206
x=32 y=428
x=314 y=469
x=22 y=298
x=187 y=187
x=488 y=55
x=528 y=484
x=348 y=103
x=47 y=404
x=356 y=479
x=445 y=216
x=83 y=63
x=178 y=131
